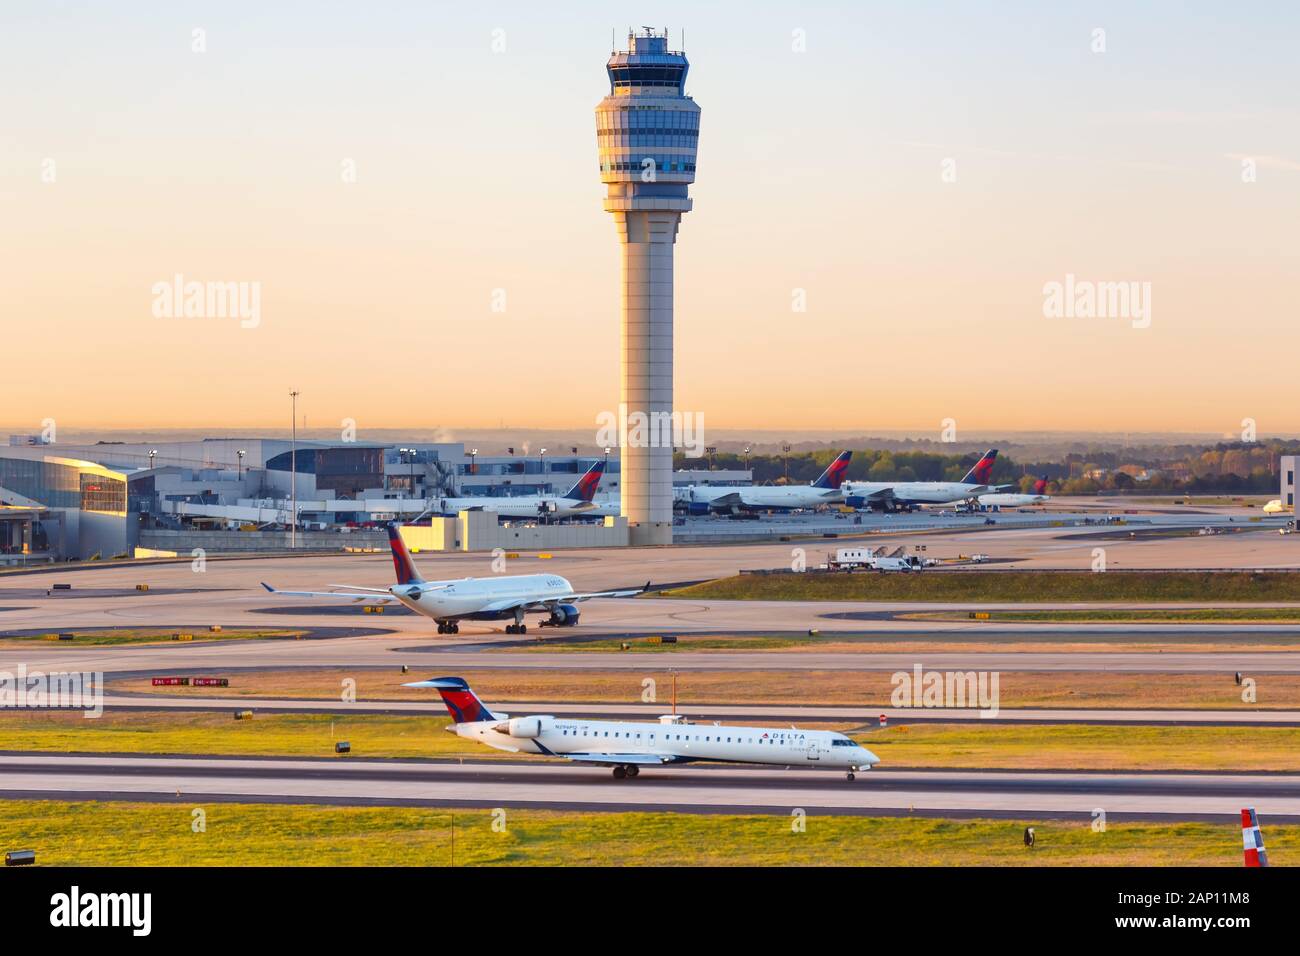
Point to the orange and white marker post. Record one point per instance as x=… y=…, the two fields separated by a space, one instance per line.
x=1252 y=840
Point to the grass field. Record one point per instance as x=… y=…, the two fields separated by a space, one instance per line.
x=908 y=746
x=1202 y=615
x=870 y=690
x=141 y=834
x=1010 y=586
x=152 y=635
x=1083 y=747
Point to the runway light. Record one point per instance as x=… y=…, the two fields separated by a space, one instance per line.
x=20 y=858
x=1029 y=836
x=343 y=747
x=243 y=715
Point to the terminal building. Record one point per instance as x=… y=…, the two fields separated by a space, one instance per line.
x=106 y=499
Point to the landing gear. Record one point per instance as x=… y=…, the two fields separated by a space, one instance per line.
x=633 y=770
x=623 y=771
x=516 y=628
x=849 y=776
x=620 y=773
x=448 y=627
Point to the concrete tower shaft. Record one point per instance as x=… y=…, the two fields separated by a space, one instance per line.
x=647 y=130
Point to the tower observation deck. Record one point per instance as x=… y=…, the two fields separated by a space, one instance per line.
x=647 y=130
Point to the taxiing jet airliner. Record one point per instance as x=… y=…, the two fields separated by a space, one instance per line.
x=500 y=597
x=628 y=746
x=576 y=501
x=700 y=499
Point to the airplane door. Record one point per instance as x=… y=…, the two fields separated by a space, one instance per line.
x=813 y=752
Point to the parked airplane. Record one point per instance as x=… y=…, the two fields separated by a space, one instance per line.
x=908 y=494
x=1015 y=500
x=500 y=597
x=701 y=499
x=627 y=746
x=576 y=501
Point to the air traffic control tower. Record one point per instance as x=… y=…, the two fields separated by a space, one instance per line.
x=647 y=129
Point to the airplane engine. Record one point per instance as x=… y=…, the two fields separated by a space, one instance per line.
x=525 y=727
x=564 y=615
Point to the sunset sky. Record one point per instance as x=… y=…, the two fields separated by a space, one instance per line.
x=127 y=158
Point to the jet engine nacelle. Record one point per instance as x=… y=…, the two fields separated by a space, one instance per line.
x=564 y=615
x=525 y=727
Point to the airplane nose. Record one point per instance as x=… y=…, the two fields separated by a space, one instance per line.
x=871 y=759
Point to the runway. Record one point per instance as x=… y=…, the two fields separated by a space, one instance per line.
x=381 y=652
x=727 y=712
x=700 y=789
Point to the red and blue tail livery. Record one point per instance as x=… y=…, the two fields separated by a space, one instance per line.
x=983 y=469
x=1252 y=840
x=462 y=703
x=1040 y=486
x=402 y=563
x=585 y=489
x=834 y=474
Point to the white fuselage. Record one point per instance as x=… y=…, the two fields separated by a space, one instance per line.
x=1011 y=500
x=761 y=496
x=674 y=742
x=471 y=596
x=522 y=506
x=915 y=492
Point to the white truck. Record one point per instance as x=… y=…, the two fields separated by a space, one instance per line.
x=847 y=559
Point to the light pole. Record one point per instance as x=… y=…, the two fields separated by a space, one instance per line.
x=239 y=465
x=152 y=454
x=293 y=472
x=473 y=454
x=711 y=451
x=543 y=467
x=747 y=458
x=785 y=447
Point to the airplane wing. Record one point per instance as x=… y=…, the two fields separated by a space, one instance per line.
x=533 y=604
x=359 y=594
x=726 y=500
x=619 y=758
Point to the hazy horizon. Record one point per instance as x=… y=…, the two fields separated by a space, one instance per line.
x=917 y=174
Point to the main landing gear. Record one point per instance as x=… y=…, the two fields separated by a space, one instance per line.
x=628 y=770
x=448 y=627
x=516 y=628
x=849 y=776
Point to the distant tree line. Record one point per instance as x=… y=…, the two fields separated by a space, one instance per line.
x=1229 y=467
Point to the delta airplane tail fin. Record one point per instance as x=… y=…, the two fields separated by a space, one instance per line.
x=834 y=474
x=402 y=563
x=462 y=703
x=585 y=489
x=982 y=470
x=1252 y=840
x=1040 y=486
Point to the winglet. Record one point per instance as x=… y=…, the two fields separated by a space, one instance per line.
x=268 y=587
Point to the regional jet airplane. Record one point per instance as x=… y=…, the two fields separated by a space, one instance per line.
x=576 y=501
x=627 y=746
x=500 y=597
